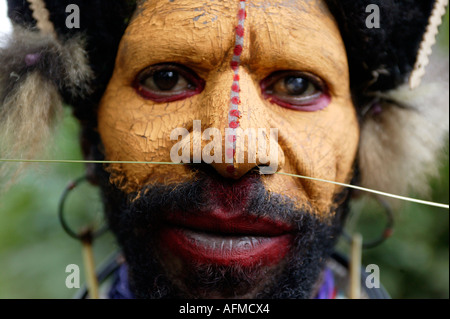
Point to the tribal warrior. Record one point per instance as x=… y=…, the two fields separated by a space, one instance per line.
x=335 y=89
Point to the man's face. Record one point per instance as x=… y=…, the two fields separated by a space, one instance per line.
x=222 y=229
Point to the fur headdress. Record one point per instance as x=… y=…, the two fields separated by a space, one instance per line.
x=404 y=124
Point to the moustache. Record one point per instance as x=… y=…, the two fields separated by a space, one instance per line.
x=210 y=192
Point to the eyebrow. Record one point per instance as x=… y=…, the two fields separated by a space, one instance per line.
x=303 y=51
x=259 y=55
x=198 y=49
x=183 y=52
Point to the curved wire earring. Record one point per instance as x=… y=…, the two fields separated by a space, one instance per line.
x=86 y=237
x=87 y=232
x=387 y=231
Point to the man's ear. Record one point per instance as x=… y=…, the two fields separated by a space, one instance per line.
x=92 y=150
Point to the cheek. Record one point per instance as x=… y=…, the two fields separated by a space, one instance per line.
x=133 y=129
x=322 y=145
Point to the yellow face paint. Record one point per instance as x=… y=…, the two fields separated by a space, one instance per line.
x=281 y=43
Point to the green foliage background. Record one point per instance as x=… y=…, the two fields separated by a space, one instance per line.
x=34 y=250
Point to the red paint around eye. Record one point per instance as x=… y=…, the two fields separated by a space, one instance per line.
x=317 y=105
x=197 y=85
x=148 y=95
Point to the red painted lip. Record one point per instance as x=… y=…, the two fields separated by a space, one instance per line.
x=226 y=239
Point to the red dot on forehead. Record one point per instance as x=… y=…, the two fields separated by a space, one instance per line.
x=238 y=50
x=240 y=30
x=235 y=88
x=235 y=113
x=242 y=14
x=235 y=100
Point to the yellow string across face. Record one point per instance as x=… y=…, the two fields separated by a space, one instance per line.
x=404 y=198
x=316 y=147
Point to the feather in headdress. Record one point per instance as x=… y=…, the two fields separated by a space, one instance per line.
x=34 y=67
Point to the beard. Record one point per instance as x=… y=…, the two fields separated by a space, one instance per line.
x=136 y=220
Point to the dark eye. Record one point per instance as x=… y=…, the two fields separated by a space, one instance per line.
x=295 y=90
x=168 y=82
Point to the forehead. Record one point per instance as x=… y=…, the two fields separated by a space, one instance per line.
x=202 y=33
x=194 y=10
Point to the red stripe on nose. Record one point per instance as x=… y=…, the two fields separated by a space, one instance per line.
x=235 y=113
x=235 y=88
x=234 y=124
